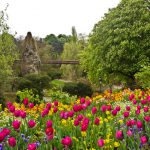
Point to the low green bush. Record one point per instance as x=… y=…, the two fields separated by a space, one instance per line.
x=36 y=82
x=79 y=89
x=54 y=74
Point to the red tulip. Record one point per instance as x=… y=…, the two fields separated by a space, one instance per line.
x=55 y=103
x=16 y=124
x=114 y=112
x=126 y=114
x=2 y=136
x=12 y=109
x=76 y=122
x=25 y=101
x=31 y=123
x=12 y=142
x=49 y=131
x=96 y=121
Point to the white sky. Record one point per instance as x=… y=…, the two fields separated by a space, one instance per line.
x=43 y=17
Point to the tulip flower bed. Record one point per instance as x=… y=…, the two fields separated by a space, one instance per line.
x=109 y=121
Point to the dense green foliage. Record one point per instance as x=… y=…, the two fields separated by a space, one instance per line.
x=79 y=89
x=143 y=77
x=27 y=94
x=71 y=52
x=57 y=42
x=60 y=96
x=119 y=45
x=36 y=82
x=8 y=52
x=54 y=74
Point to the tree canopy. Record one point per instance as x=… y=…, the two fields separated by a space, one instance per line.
x=8 y=51
x=119 y=44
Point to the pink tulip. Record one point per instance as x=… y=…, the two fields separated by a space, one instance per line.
x=55 y=103
x=82 y=100
x=17 y=113
x=147 y=118
x=16 y=124
x=84 y=106
x=103 y=108
x=49 y=123
x=2 y=136
x=128 y=123
x=48 y=106
x=128 y=108
x=114 y=112
x=131 y=97
x=80 y=117
x=134 y=101
x=94 y=110
x=12 y=109
x=139 y=124
x=31 y=123
x=12 y=142
x=100 y=142
x=61 y=114
x=143 y=102
x=76 y=122
x=138 y=107
x=86 y=120
x=32 y=146
x=55 y=109
x=88 y=103
x=71 y=113
x=137 y=111
x=96 y=121
x=22 y=114
x=75 y=108
x=109 y=107
x=31 y=105
x=146 y=109
x=9 y=104
x=129 y=133
x=117 y=108
x=143 y=139
x=84 y=127
x=66 y=141
x=119 y=134
x=126 y=114
x=6 y=131
x=25 y=101
x=133 y=122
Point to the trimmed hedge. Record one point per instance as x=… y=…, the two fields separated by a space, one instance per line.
x=79 y=89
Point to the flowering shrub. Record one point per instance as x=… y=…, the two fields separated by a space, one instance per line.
x=86 y=123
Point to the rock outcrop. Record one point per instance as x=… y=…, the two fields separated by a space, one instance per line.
x=30 y=58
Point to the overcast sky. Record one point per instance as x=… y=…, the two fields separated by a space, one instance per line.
x=43 y=17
